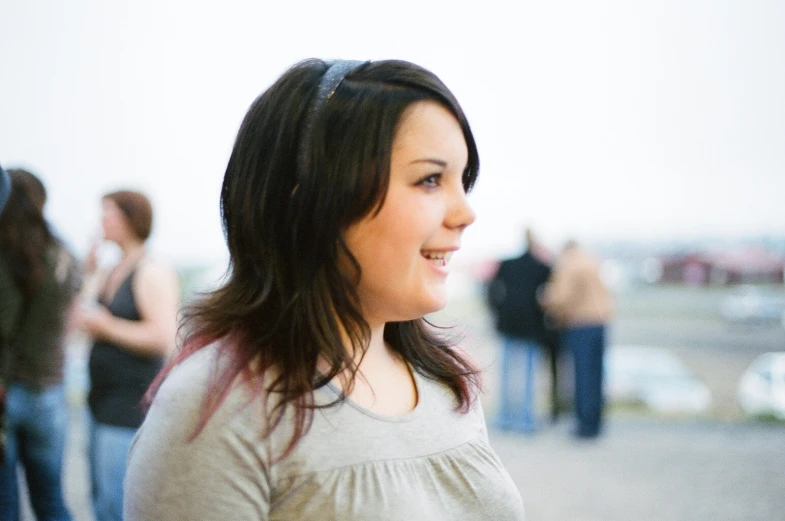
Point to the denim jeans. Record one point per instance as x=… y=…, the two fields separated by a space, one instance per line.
x=587 y=346
x=518 y=364
x=37 y=422
x=109 y=446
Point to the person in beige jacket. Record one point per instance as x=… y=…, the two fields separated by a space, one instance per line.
x=577 y=299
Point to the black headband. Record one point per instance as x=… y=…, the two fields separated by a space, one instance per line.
x=335 y=74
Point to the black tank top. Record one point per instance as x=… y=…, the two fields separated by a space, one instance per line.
x=119 y=377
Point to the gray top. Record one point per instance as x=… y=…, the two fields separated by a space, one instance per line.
x=431 y=464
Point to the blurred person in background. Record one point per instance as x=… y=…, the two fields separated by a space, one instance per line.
x=310 y=386
x=577 y=299
x=133 y=326
x=520 y=320
x=5 y=188
x=39 y=280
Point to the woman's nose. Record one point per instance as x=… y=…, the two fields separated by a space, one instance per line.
x=460 y=214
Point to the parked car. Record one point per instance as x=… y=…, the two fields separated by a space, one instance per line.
x=753 y=304
x=654 y=377
x=761 y=389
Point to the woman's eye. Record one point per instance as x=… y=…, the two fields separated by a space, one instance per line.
x=431 y=181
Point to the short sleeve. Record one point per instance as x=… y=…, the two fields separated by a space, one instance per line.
x=220 y=474
x=479 y=414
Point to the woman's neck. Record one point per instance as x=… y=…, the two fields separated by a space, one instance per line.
x=384 y=383
x=377 y=352
x=132 y=250
x=376 y=356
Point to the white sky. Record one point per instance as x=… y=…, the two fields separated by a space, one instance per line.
x=597 y=120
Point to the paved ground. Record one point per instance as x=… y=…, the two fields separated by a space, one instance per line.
x=644 y=470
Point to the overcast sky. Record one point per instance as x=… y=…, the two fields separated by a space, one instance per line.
x=596 y=120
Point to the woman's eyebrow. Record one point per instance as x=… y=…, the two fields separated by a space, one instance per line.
x=431 y=160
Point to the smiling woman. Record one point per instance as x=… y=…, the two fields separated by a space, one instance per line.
x=404 y=249
x=309 y=385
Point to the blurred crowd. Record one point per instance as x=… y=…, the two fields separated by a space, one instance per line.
x=554 y=304
x=129 y=311
x=543 y=303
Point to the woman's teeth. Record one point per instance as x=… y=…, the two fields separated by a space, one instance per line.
x=436 y=257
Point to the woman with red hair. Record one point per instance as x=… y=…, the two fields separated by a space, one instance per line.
x=133 y=328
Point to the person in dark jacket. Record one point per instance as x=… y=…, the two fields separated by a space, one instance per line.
x=5 y=188
x=512 y=296
x=39 y=280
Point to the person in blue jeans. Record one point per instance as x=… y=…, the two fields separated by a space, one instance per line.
x=512 y=297
x=578 y=300
x=133 y=328
x=38 y=284
x=37 y=423
x=5 y=188
x=108 y=449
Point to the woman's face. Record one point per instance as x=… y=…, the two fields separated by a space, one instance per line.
x=404 y=250
x=113 y=222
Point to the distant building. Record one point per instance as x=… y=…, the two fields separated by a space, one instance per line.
x=752 y=265
x=740 y=266
x=692 y=268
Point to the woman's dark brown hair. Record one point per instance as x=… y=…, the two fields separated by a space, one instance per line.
x=137 y=210
x=24 y=233
x=288 y=296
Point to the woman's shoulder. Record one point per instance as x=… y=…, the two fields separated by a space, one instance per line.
x=151 y=268
x=443 y=399
x=188 y=381
x=176 y=451
x=193 y=371
x=153 y=277
x=194 y=383
x=178 y=405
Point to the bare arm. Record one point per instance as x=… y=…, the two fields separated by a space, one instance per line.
x=156 y=290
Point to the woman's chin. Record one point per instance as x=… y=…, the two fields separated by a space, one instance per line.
x=435 y=304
